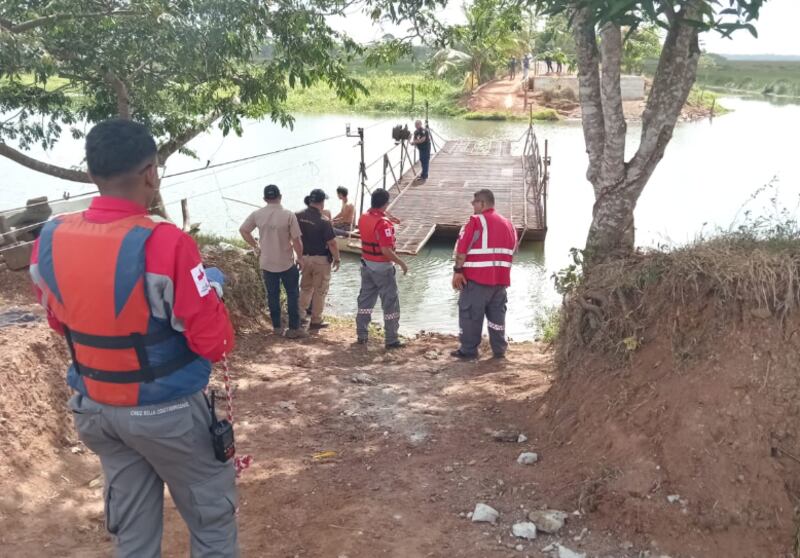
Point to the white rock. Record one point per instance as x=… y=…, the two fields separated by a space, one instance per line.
x=548 y=521
x=484 y=514
x=526 y=530
x=549 y=548
x=519 y=548
x=564 y=552
x=672 y=498
x=527 y=458
x=522 y=438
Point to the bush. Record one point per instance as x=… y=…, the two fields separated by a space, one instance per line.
x=546 y=114
x=548 y=324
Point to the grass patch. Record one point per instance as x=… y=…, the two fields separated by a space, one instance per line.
x=548 y=324
x=492 y=116
x=388 y=94
x=706 y=101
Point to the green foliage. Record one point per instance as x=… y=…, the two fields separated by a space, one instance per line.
x=568 y=279
x=546 y=114
x=722 y=16
x=387 y=93
x=641 y=44
x=555 y=39
x=484 y=43
x=756 y=76
x=548 y=324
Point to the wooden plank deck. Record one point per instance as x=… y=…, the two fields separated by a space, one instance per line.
x=456 y=171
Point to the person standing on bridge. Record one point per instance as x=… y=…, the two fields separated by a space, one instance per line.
x=143 y=323
x=482 y=273
x=512 y=68
x=422 y=140
x=378 y=275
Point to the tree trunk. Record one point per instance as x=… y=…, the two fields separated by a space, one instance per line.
x=618 y=184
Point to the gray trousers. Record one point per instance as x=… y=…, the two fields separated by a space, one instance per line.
x=374 y=284
x=475 y=302
x=140 y=449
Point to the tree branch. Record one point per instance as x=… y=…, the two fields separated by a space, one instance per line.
x=590 y=95
x=55 y=18
x=176 y=142
x=121 y=92
x=46 y=168
x=674 y=77
x=612 y=170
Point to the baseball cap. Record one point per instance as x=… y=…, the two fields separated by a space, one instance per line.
x=271 y=192
x=317 y=196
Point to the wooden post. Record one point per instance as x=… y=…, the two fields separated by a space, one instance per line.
x=185 y=212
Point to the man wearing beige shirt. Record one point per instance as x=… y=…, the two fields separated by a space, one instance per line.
x=278 y=237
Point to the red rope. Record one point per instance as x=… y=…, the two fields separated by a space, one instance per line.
x=241 y=462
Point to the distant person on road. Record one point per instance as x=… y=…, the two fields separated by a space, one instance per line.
x=320 y=257
x=143 y=321
x=378 y=259
x=343 y=221
x=548 y=60
x=512 y=68
x=278 y=236
x=526 y=66
x=422 y=140
x=482 y=272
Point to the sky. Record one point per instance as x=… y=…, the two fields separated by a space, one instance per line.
x=776 y=29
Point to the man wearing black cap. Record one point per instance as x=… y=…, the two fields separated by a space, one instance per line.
x=278 y=234
x=319 y=252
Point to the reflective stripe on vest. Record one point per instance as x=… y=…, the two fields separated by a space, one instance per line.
x=488 y=264
x=370 y=248
x=489 y=261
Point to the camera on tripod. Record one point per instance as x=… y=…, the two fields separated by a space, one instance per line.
x=401 y=133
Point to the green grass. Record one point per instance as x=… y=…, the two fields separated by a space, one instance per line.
x=548 y=324
x=701 y=98
x=388 y=94
x=753 y=76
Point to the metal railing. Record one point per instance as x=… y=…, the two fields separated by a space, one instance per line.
x=535 y=180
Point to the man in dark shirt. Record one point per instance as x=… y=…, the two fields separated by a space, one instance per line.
x=423 y=142
x=319 y=252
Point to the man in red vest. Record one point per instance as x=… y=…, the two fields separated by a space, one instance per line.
x=482 y=272
x=378 y=259
x=143 y=323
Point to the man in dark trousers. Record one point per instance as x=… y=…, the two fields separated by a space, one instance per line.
x=512 y=68
x=378 y=259
x=422 y=140
x=280 y=251
x=482 y=273
x=319 y=252
x=143 y=323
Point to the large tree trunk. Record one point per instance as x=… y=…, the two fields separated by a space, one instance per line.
x=618 y=184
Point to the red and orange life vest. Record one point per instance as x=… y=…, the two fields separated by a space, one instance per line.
x=93 y=275
x=368 y=228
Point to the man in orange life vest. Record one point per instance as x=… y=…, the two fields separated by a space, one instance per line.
x=482 y=272
x=143 y=323
x=377 y=271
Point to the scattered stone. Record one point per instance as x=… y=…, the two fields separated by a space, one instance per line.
x=448 y=469
x=527 y=458
x=485 y=514
x=505 y=436
x=96 y=482
x=287 y=405
x=432 y=354
x=580 y=536
x=549 y=548
x=363 y=378
x=76 y=449
x=522 y=438
x=548 y=521
x=564 y=552
x=672 y=498
x=627 y=545
x=526 y=530
x=519 y=548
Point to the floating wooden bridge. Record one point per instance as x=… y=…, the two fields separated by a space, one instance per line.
x=516 y=174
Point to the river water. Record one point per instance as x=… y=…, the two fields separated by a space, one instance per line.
x=709 y=172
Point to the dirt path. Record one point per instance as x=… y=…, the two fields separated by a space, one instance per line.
x=499 y=95
x=410 y=430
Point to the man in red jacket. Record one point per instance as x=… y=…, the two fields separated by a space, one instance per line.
x=143 y=323
x=482 y=273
